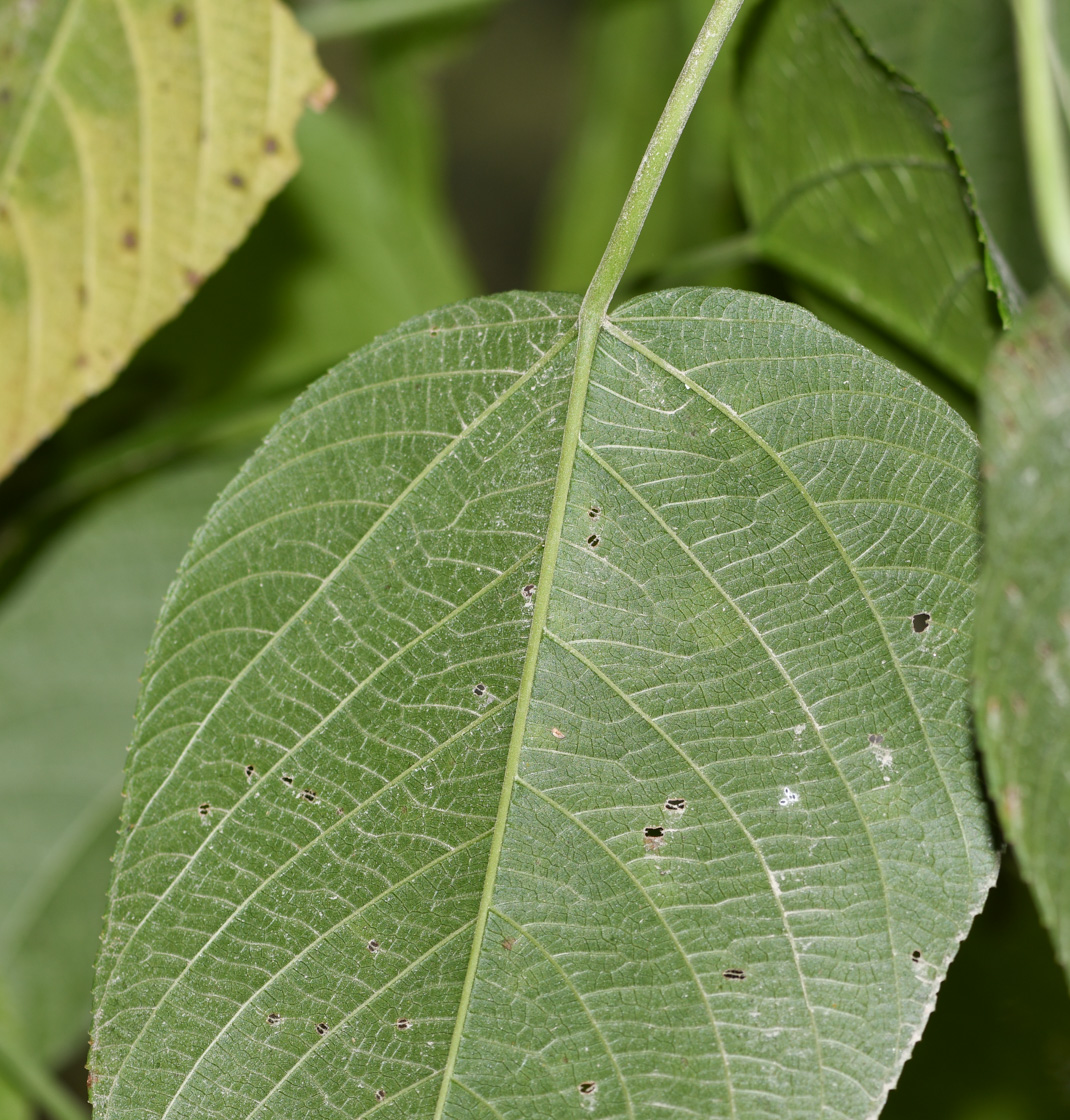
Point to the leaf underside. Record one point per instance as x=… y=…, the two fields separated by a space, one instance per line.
x=1023 y=636
x=745 y=835
x=139 y=140
x=866 y=201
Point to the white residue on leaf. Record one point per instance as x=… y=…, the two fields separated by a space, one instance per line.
x=790 y=797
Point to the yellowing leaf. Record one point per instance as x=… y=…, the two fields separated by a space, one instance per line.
x=139 y=140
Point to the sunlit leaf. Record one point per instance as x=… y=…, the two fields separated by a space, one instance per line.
x=709 y=852
x=138 y=143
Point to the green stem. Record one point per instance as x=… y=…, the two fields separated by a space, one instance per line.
x=338 y=18
x=1044 y=134
x=22 y=1072
x=592 y=315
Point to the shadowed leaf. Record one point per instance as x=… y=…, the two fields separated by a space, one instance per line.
x=847 y=177
x=1023 y=640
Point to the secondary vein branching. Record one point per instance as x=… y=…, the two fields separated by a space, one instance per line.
x=592 y=316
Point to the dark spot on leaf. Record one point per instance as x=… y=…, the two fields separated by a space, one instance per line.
x=916 y=956
x=194 y=278
x=480 y=690
x=380 y=1094
x=432 y=331
x=373 y=946
x=274 y=1019
x=594 y=540
x=876 y=740
x=404 y=1024
x=920 y=622
x=594 y=512
x=287 y=779
x=5 y=95
x=734 y=974
x=675 y=805
x=588 y=1087
x=204 y=809
x=236 y=181
x=654 y=833
x=81 y=361
x=129 y=239
x=508 y=942
x=528 y=591
x=271 y=145
x=322 y=1028
x=250 y=771
x=557 y=733
x=308 y=794
x=179 y=16
x=83 y=295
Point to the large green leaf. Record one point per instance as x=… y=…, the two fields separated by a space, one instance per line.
x=1023 y=640
x=72 y=637
x=138 y=143
x=710 y=851
x=961 y=54
x=847 y=177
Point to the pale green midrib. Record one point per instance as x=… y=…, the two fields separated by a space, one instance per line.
x=591 y=321
x=586 y=345
x=412 y=877
x=854 y=167
x=41 y=82
x=567 y=980
x=314 y=1048
x=280 y=762
x=275 y=875
x=327 y=581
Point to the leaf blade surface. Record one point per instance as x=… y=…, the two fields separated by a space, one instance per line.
x=866 y=202
x=694 y=790
x=138 y=143
x=1021 y=664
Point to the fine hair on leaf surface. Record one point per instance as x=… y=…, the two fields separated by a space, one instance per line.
x=736 y=641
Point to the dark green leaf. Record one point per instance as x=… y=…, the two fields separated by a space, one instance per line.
x=710 y=853
x=848 y=179
x=961 y=54
x=1023 y=639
